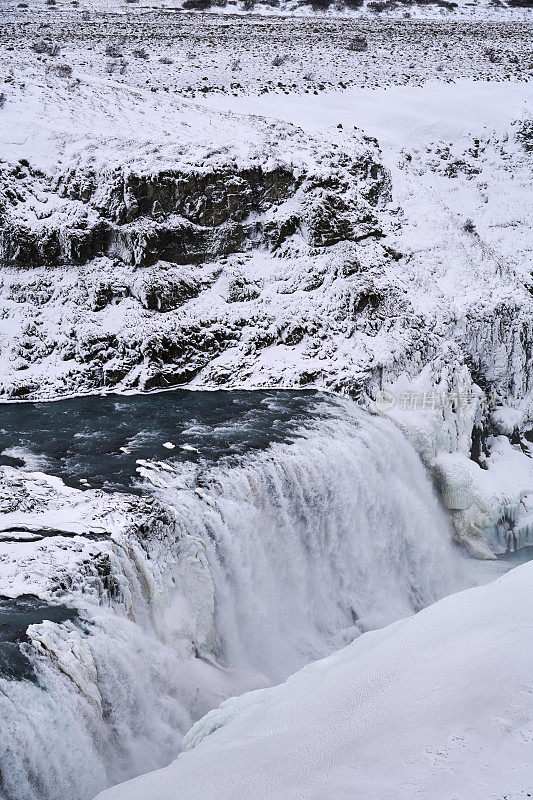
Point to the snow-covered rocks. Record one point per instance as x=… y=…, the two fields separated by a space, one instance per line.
x=428 y=706
x=143 y=259
x=490 y=507
x=172 y=252
x=100 y=549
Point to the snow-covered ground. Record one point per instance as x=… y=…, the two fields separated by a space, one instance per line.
x=284 y=259
x=436 y=706
x=320 y=10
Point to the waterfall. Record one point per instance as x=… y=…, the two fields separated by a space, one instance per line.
x=316 y=539
x=305 y=542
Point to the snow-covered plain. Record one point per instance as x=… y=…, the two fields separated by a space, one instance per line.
x=436 y=706
x=321 y=10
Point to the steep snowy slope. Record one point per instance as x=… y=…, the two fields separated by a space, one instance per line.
x=439 y=705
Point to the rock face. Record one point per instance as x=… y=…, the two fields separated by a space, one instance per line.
x=194 y=246
x=137 y=219
x=145 y=275
x=186 y=218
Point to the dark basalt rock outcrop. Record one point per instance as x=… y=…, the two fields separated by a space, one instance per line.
x=179 y=217
x=203 y=198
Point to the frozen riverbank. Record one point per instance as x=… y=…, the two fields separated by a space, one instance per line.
x=424 y=707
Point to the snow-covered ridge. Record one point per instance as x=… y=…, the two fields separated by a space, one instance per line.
x=425 y=706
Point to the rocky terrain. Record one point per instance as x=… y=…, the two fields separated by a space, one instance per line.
x=148 y=241
x=203 y=55
x=170 y=269
x=317 y=9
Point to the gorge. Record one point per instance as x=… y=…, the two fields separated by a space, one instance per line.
x=266 y=476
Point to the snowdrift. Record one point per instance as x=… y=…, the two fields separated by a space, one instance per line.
x=438 y=705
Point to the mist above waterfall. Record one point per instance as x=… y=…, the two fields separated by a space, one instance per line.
x=315 y=540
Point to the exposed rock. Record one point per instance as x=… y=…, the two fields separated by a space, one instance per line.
x=134 y=274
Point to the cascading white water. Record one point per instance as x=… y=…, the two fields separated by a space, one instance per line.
x=315 y=540
x=58 y=744
x=308 y=542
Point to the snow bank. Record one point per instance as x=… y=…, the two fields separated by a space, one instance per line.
x=438 y=705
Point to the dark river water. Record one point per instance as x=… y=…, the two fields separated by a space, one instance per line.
x=98 y=440
x=15 y=617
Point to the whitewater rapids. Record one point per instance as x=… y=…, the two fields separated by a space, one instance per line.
x=316 y=539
